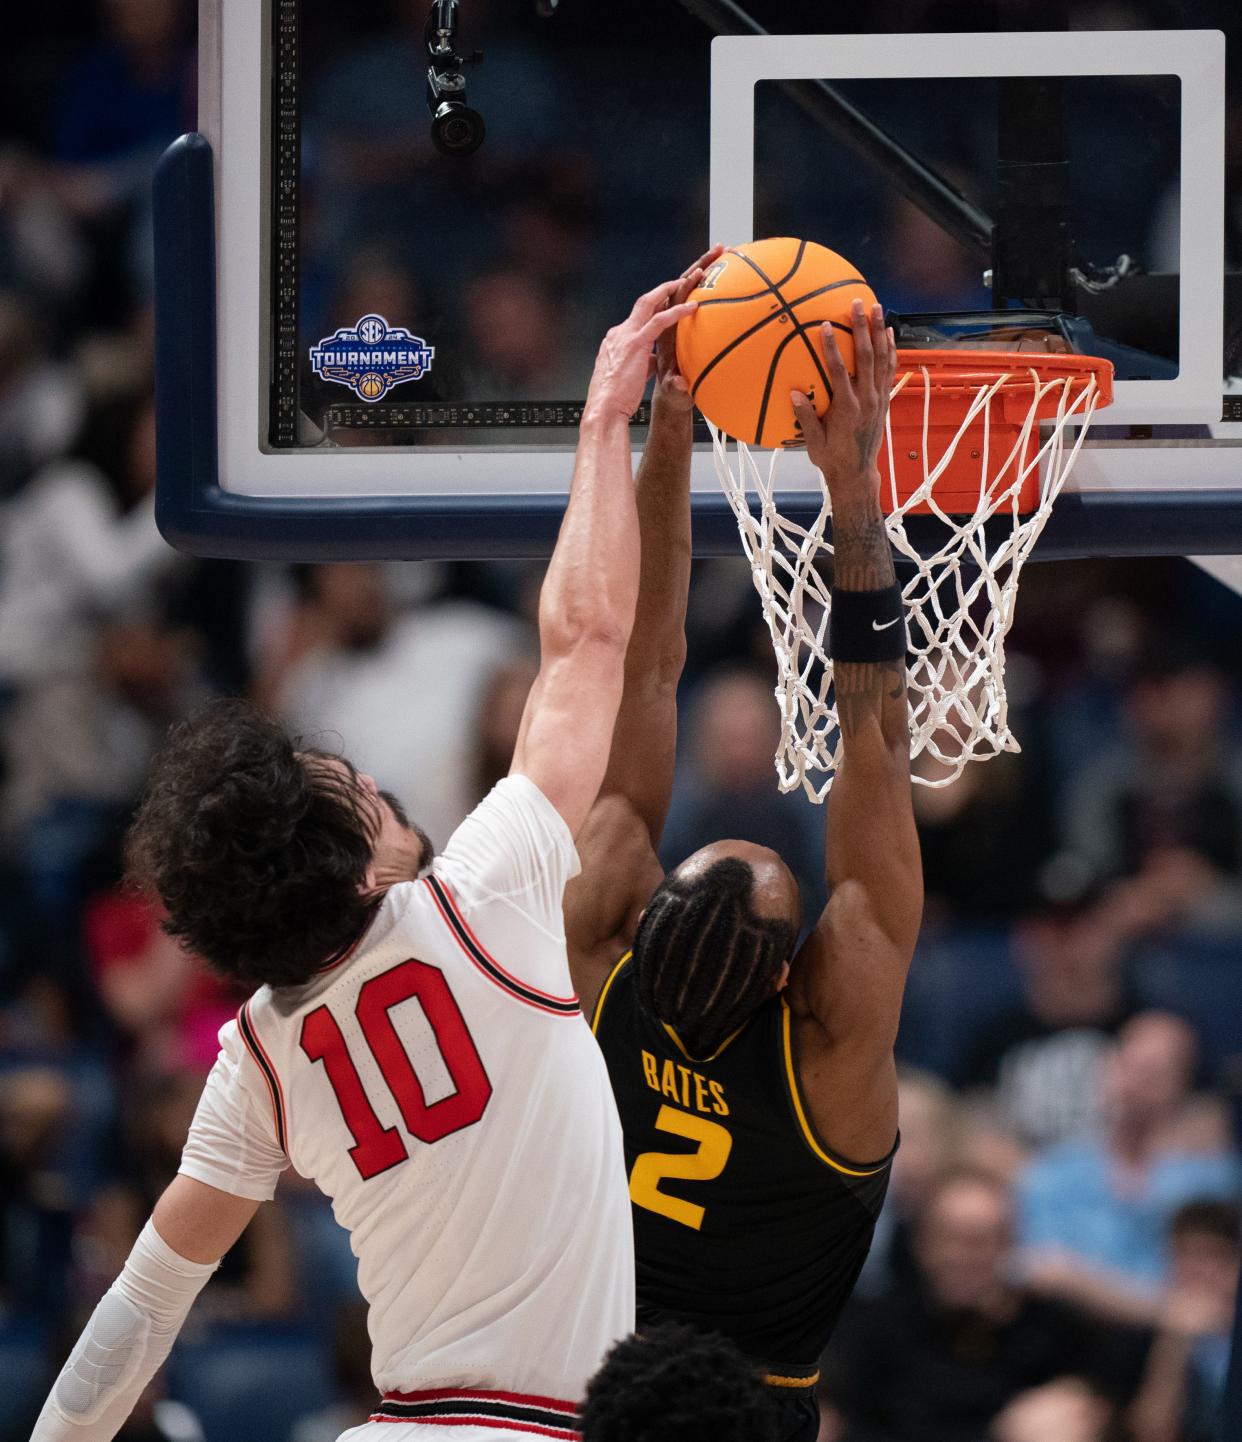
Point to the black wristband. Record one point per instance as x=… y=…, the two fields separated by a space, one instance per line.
x=867 y=625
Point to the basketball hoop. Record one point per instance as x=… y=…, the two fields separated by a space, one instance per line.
x=973 y=436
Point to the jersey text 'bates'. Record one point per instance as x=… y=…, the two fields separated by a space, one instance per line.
x=684 y=1086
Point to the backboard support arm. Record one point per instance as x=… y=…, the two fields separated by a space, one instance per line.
x=918 y=182
x=1032 y=248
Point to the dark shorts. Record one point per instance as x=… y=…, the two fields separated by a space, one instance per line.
x=797 y=1413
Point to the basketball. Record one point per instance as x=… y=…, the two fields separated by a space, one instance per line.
x=756 y=335
x=371 y=386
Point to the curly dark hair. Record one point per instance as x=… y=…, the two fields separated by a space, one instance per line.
x=673 y=1384
x=703 y=961
x=258 y=853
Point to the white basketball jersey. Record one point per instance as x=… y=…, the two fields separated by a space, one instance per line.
x=440 y=1084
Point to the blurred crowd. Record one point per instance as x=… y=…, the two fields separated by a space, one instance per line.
x=1058 y=1258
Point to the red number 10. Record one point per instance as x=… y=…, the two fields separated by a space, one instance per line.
x=376 y=1147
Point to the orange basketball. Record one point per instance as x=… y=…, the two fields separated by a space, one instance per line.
x=756 y=335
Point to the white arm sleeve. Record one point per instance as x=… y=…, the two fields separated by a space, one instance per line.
x=128 y=1337
x=232 y=1143
x=507 y=865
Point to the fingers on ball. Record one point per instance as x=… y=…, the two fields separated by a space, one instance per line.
x=832 y=352
x=646 y=305
x=666 y=319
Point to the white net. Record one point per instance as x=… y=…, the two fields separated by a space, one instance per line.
x=959 y=594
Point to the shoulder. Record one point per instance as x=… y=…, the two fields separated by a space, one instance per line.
x=515 y=820
x=263 y=1003
x=516 y=794
x=253 y=1031
x=249 y=1053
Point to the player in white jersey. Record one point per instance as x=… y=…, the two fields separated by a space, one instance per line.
x=414 y=1046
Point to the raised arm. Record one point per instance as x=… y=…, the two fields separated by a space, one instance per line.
x=586 y=608
x=644 y=741
x=618 y=844
x=849 y=977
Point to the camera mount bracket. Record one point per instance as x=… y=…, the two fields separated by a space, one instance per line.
x=456 y=128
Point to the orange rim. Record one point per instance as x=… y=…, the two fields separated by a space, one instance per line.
x=958 y=370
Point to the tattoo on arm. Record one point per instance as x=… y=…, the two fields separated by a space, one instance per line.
x=863 y=561
x=862 y=555
x=867 y=439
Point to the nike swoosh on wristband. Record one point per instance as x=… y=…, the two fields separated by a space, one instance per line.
x=875 y=625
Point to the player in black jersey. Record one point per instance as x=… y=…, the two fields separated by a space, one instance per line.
x=756 y=1086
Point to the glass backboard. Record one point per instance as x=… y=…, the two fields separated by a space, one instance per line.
x=376 y=349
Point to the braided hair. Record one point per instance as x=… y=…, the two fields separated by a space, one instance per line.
x=703 y=961
x=673 y=1384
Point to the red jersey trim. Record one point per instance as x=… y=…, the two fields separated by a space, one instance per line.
x=564 y=1434
x=484 y=1394
x=474 y=1407
x=254 y=1046
x=486 y=963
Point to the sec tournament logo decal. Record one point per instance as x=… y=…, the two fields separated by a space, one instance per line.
x=372 y=357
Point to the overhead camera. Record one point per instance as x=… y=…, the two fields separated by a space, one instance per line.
x=456 y=129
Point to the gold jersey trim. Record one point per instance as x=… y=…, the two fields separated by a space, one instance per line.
x=773 y=1380
x=803 y=1120
x=603 y=992
x=677 y=1041
x=702 y=1060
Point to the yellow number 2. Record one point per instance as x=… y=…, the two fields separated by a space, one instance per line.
x=703 y=1165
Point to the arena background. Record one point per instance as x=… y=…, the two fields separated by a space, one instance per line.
x=1072 y=1035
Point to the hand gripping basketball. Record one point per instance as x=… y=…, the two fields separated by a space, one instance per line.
x=845 y=444
x=671 y=387
x=624 y=363
x=757 y=335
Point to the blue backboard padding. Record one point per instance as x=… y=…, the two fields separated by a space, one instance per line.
x=196 y=514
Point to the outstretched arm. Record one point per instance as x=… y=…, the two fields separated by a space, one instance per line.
x=135 y=1325
x=850 y=975
x=586 y=607
x=619 y=841
x=644 y=741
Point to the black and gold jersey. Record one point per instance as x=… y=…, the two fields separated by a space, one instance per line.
x=745 y=1223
